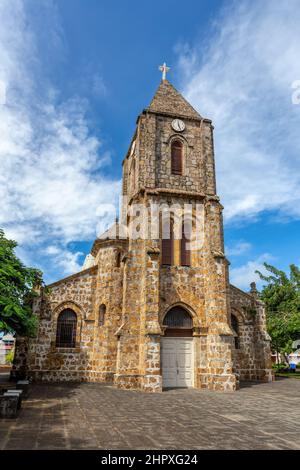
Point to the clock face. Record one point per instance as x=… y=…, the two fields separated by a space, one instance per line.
x=178 y=125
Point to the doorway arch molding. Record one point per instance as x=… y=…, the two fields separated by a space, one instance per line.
x=189 y=310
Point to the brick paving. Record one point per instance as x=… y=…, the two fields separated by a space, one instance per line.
x=95 y=416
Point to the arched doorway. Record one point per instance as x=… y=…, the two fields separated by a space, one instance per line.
x=177 y=354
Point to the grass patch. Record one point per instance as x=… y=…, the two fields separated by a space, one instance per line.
x=293 y=375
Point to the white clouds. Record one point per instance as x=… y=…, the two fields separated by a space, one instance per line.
x=51 y=185
x=243 y=82
x=64 y=259
x=243 y=275
x=90 y=81
x=238 y=249
x=99 y=87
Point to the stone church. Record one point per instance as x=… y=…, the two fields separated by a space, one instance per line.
x=154 y=312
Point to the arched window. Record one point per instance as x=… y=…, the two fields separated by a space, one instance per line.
x=167 y=243
x=235 y=327
x=66 y=329
x=176 y=157
x=178 y=322
x=185 y=252
x=102 y=312
x=118 y=260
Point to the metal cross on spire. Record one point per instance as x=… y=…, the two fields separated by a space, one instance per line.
x=164 y=69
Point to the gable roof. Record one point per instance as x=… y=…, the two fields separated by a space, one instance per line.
x=168 y=100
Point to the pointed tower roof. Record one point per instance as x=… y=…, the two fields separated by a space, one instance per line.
x=168 y=100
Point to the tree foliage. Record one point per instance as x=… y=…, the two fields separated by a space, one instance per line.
x=281 y=295
x=17 y=290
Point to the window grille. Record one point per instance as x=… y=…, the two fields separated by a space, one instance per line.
x=177 y=317
x=66 y=329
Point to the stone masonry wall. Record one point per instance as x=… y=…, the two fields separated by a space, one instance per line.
x=152 y=157
x=252 y=359
x=128 y=374
x=47 y=362
x=109 y=292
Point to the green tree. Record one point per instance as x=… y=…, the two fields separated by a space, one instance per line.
x=281 y=296
x=17 y=291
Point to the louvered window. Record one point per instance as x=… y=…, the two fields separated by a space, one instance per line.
x=167 y=243
x=176 y=157
x=185 y=252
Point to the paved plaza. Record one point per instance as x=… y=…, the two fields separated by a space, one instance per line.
x=95 y=416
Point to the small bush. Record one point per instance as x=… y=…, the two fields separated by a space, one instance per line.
x=280 y=367
x=10 y=356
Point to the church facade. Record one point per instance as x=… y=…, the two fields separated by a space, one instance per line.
x=149 y=312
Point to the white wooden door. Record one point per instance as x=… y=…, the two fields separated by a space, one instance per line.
x=177 y=362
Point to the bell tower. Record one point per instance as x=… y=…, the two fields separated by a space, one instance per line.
x=171 y=163
x=170 y=120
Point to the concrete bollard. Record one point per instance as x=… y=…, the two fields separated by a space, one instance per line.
x=24 y=386
x=9 y=405
x=14 y=393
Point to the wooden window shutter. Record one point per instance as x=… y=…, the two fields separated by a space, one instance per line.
x=185 y=253
x=176 y=157
x=167 y=245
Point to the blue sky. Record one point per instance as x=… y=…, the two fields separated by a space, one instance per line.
x=74 y=75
